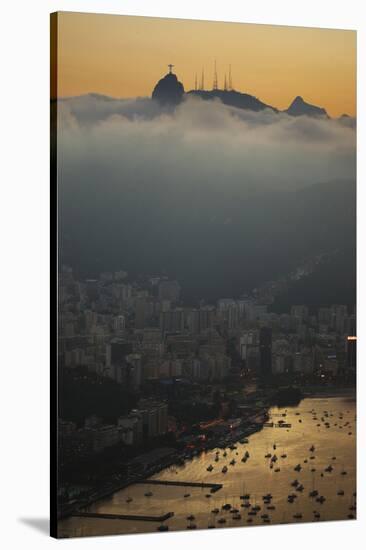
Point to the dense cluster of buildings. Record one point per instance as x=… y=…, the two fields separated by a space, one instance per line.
x=134 y=332
x=138 y=332
x=148 y=421
x=299 y=342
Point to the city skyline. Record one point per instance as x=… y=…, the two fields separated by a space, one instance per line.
x=273 y=63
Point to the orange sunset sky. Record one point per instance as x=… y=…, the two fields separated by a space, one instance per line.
x=124 y=56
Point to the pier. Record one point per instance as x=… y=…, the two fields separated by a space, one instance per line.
x=277 y=425
x=214 y=487
x=132 y=517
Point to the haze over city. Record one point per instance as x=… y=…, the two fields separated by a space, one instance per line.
x=206 y=178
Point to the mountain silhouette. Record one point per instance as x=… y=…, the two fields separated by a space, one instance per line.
x=299 y=107
x=168 y=91
x=233 y=98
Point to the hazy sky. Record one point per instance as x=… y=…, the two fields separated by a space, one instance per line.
x=125 y=56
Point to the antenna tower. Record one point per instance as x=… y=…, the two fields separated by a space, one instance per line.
x=215 y=83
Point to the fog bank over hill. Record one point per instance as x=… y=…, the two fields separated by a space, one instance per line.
x=213 y=194
x=206 y=142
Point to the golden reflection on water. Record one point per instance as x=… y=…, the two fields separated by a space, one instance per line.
x=254 y=477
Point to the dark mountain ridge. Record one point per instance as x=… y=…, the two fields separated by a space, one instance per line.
x=300 y=107
x=233 y=98
x=169 y=91
x=268 y=235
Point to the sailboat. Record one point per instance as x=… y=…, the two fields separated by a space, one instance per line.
x=221 y=520
x=313 y=493
x=353 y=504
x=211 y=525
x=244 y=496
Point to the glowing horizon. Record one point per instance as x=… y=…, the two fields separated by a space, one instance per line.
x=124 y=56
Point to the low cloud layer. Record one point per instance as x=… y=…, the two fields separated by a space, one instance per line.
x=203 y=142
x=201 y=191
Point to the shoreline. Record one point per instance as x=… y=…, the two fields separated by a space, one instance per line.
x=330 y=393
x=178 y=457
x=174 y=460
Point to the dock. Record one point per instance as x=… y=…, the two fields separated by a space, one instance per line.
x=214 y=487
x=277 y=425
x=132 y=517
